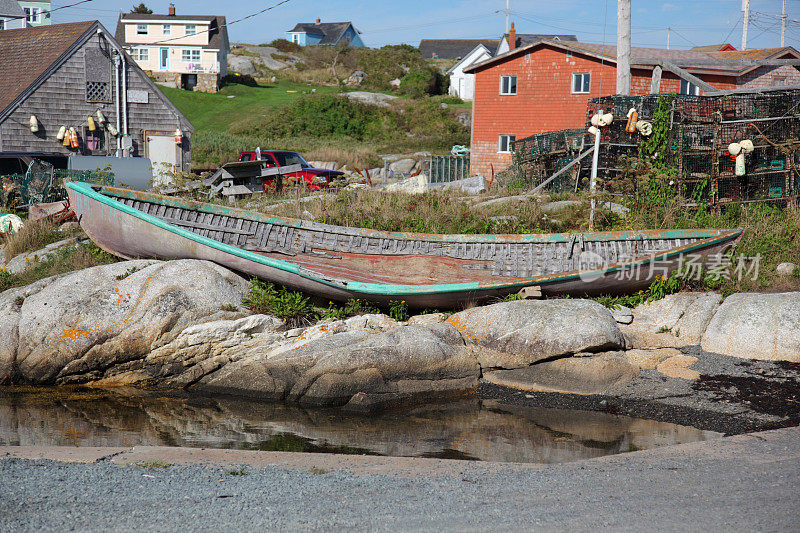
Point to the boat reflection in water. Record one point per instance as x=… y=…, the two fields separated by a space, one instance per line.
x=485 y=430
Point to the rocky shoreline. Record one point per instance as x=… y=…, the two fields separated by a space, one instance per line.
x=181 y=325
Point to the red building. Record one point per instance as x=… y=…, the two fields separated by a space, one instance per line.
x=545 y=86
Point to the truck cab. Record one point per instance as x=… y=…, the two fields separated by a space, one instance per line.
x=314 y=179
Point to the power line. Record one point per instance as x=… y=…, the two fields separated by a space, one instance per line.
x=20 y=17
x=251 y=15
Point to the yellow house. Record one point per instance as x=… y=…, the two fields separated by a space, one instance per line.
x=188 y=50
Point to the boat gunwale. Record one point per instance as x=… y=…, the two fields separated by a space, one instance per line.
x=91 y=192
x=498 y=238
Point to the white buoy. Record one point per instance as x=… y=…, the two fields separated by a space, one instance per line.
x=10 y=224
x=734 y=148
x=747 y=146
x=740 y=169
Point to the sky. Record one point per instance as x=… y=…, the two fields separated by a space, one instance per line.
x=382 y=22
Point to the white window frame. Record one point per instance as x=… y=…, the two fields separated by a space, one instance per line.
x=33 y=15
x=295 y=38
x=188 y=56
x=140 y=53
x=509 y=143
x=193 y=31
x=688 y=86
x=584 y=89
x=507 y=91
x=139 y=29
x=166 y=29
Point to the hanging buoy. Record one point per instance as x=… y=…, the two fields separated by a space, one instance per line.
x=34 y=124
x=178 y=136
x=595 y=120
x=67 y=138
x=61 y=132
x=747 y=146
x=593 y=130
x=740 y=170
x=73 y=138
x=644 y=127
x=101 y=118
x=633 y=116
x=90 y=122
x=111 y=129
x=606 y=119
x=734 y=148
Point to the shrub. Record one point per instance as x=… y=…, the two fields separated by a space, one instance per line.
x=291 y=306
x=420 y=82
x=31 y=237
x=284 y=46
x=239 y=79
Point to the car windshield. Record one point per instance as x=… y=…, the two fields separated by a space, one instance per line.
x=290 y=158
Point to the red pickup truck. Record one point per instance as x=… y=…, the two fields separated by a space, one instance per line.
x=315 y=178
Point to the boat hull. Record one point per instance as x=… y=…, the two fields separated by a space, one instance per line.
x=129 y=233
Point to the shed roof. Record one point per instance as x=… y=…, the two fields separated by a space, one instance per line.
x=217 y=34
x=454 y=48
x=524 y=39
x=25 y=54
x=690 y=59
x=29 y=55
x=10 y=8
x=331 y=31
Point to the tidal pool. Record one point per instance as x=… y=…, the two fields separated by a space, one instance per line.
x=483 y=430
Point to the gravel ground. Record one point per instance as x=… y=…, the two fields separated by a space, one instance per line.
x=732 y=396
x=746 y=482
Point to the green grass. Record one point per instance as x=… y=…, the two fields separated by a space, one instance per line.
x=215 y=111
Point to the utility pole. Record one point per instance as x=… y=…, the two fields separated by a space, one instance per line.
x=783 y=23
x=746 y=22
x=506 y=17
x=668 y=32
x=624 y=47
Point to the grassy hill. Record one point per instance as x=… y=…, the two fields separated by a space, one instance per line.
x=296 y=108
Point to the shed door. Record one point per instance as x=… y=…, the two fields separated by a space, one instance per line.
x=164 y=156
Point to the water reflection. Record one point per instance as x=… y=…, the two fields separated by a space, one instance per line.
x=471 y=429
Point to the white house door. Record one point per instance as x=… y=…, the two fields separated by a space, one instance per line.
x=165 y=157
x=163 y=55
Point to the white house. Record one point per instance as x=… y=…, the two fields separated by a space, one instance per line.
x=461 y=84
x=189 y=50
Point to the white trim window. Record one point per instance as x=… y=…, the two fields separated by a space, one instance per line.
x=191 y=29
x=505 y=144
x=2 y=24
x=190 y=55
x=140 y=54
x=508 y=85
x=689 y=88
x=166 y=29
x=296 y=38
x=141 y=29
x=33 y=15
x=581 y=82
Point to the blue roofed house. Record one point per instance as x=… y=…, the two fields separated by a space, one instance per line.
x=325 y=33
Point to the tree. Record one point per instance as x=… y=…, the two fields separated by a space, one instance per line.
x=142 y=9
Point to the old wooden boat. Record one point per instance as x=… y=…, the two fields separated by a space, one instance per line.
x=338 y=263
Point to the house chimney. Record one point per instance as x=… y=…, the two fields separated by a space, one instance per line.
x=172 y=10
x=512 y=38
x=318 y=21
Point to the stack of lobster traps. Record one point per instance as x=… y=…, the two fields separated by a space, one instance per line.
x=702 y=140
